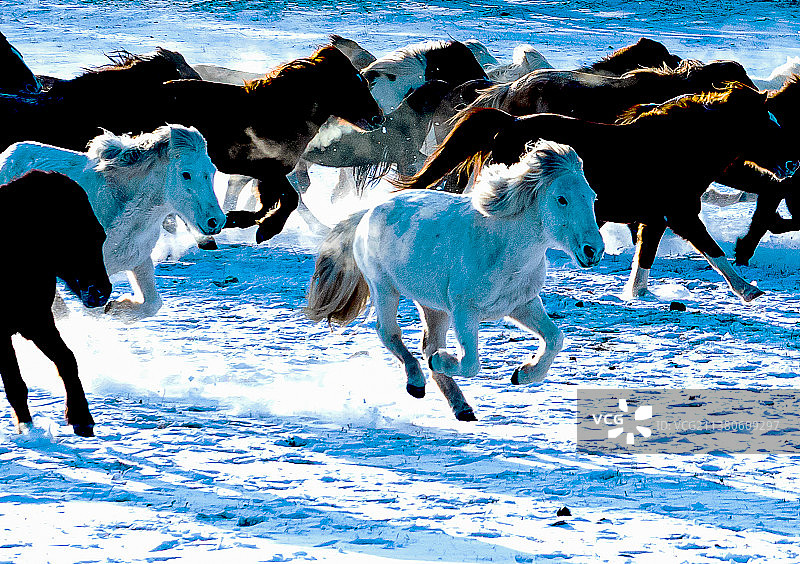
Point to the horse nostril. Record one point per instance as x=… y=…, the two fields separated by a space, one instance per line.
x=376 y=120
x=589 y=251
x=212 y=223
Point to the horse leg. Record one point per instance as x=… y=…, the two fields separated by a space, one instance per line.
x=646 y=247
x=435 y=324
x=345 y=186
x=60 y=309
x=16 y=390
x=533 y=317
x=765 y=215
x=465 y=325
x=49 y=341
x=145 y=301
x=313 y=223
x=386 y=299
x=693 y=230
x=236 y=183
x=276 y=206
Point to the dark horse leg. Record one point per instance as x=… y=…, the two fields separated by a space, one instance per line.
x=647 y=240
x=277 y=203
x=764 y=218
x=692 y=229
x=48 y=340
x=16 y=390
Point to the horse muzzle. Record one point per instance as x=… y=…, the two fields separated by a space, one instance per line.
x=590 y=255
x=213 y=225
x=370 y=124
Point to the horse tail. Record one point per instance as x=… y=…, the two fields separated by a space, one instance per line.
x=338 y=291
x=465 y=149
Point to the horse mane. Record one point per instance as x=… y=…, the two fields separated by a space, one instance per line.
x=620 y=57
x=408 y=59
x=791 y=83
x=505 y=191
x=287 y=74
x=684 y=69
x=137 y=155
x=683 y=104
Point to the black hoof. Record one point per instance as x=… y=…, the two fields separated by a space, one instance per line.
x=466 y=415
x=207 y=244
x=430 y=363
x=415 y=391
x=515 y=377
x=84 y=430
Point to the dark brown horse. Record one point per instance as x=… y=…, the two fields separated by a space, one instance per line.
x=259 y=129
x=674 y=149
x=784 y=103
x=603 y=98
x=26 y=297
x=645 y=53
x=592 y=87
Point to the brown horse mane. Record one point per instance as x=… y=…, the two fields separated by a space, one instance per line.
x=684 y=69
x=289 y=73
x=682 y=105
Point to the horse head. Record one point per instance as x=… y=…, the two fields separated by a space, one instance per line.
x=348 y=93
x=548 y=184
x=717 y=73
x=190 y=180
x=16 y=76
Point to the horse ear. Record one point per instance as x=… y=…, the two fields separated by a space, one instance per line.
x=184 y=138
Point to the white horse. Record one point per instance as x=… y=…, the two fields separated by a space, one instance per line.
x=462 y=259
x=525 y=59
x=779 y=75
x=133 y=183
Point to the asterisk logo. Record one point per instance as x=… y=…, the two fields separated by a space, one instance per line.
x=642 y=413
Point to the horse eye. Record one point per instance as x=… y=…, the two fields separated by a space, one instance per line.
x=187 y=176
x=391 y=77
x=562 y=200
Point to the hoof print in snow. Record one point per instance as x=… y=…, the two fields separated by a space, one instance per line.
x=226 y=282
x=292 y=442
x=677 y=306
x=564 y=512
x=249 y=521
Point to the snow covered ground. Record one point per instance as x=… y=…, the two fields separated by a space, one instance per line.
x=229 y=427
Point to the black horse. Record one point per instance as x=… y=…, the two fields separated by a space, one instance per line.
x=28 y=285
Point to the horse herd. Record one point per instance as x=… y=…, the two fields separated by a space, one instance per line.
x=635 y=138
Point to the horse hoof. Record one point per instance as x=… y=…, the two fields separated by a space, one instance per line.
x=515 y=377
x=416 y=391
x=25 y=428
x=207 y=244
x=466 y=415
x=84 y=430
x=752 y=294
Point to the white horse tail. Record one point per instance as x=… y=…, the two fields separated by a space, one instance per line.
x=338 y=291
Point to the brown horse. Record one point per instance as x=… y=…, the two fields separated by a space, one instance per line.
x=604 y=98
x=784 y=103
x=645 y=53
x=35 y=260
x=15 y=76
x=259 y=129
x=674 y=149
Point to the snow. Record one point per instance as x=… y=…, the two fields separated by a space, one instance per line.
x=230 y=424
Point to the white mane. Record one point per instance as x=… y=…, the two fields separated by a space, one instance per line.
x=137 y=155
x=405 y=60
x=505 y=191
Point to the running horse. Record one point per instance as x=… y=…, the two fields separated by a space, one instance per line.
x=258 y=129
x=675 y=149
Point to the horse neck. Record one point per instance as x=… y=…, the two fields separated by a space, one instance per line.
x=525 y=234
x=141 y=193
